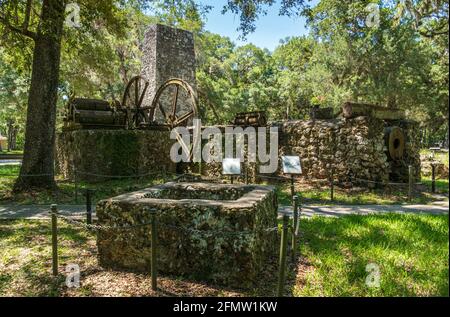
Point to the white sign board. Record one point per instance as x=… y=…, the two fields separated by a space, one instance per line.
x=291 y=165
x=231 y=166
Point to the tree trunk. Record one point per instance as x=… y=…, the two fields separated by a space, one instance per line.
x=37 y=169
x=12 y=135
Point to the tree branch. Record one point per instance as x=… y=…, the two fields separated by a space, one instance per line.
x=15 y=29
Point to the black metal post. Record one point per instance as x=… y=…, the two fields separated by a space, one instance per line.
x=332 y=185
x=433 y=178
x=54 y=212
x=294 y=227
x=410 y=183
x=283 y=253
x=153 y=264
x=76 y=185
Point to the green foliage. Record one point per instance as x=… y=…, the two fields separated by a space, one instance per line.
x=402 y=63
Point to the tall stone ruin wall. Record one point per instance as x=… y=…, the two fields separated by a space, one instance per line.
x=168 y=53
x=352 y=148
x=99 y=155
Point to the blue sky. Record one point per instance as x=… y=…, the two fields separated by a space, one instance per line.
x=270 y=29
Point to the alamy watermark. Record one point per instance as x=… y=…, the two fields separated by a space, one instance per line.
x=373 y=278
x=373 y=18
x=73 y=15
x=262 y=145
x=73 y=276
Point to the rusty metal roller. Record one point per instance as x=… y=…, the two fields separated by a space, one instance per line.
x=395 y=142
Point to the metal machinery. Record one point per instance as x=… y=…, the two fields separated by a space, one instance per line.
x=166 y=109
x=254 y=119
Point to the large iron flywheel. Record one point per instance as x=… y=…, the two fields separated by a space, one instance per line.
x=174 y=104
x=132 y=102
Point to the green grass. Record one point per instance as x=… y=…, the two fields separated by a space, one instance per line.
x=441 y=184
x=25 y=256
x=412 y=252
x=363 y=196
x=310 y=195
x=66 y=189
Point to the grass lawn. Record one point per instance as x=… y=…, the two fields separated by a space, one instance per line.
x=411 y=250
x=362 y=196
x=110 y=188
x=66 y=191
x=18 y=152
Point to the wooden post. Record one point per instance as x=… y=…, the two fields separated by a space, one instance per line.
x=246 y=175
x=297 y=229
x=164 y=176
x=75 y=180
x=292 y=186
x=332 y=185
x=294 y=227
x=411 y=182
x=88 y=207
x=153 y=264
x=54 y=212
x=283 y=251
x=433 y=178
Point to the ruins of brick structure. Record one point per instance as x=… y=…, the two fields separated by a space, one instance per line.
x=364 y=142
x=167 y=53
x=105 y=149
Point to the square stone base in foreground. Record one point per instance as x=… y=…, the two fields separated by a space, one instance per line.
x=207 y=232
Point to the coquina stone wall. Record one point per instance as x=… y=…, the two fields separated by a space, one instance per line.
x=168 y=53
x=352 y=148
x=355 y=150
x=208 y=232
x=113 y=153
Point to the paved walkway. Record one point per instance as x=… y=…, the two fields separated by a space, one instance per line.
x=437 y=208
x=10 y=162
x=37 y=211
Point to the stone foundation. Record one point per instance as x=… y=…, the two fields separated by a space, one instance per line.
x=353 y=148
x=208 y=232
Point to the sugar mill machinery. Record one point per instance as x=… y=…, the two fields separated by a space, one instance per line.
x=174 y=104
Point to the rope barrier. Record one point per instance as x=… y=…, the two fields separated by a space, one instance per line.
x=91 y=227
x=117 y=176
x=215 y=232
x=273 y=177
x=26 y=175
